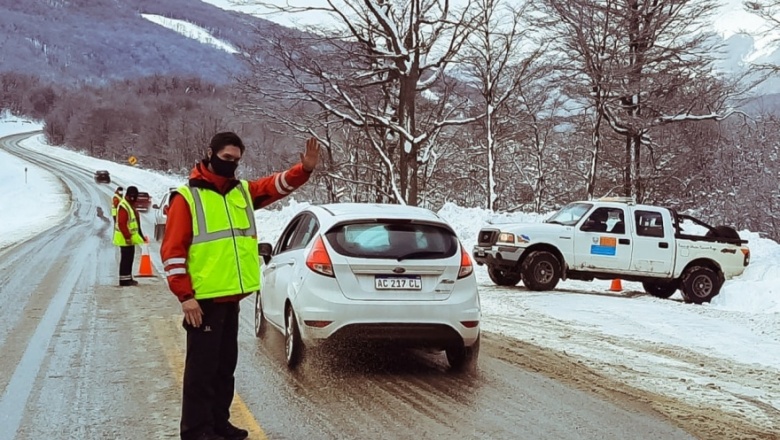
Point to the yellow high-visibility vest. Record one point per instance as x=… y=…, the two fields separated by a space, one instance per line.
x=114 y=208
x=132 y=225
x=223 y=258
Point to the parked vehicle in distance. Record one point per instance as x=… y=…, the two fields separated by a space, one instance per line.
x=370 y=272
x=161 y=214
x=144 y=202
x=102 y=176
x=614 y=238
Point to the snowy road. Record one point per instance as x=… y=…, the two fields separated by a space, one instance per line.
x=82 y=358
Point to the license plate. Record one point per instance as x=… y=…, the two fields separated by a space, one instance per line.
x=480 y=252
x=398 y=283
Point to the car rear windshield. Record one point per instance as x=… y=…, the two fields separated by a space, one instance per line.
x=401 y=241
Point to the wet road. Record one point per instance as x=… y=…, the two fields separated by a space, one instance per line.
x=85 y=359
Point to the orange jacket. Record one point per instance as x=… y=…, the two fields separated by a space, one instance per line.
x=178 y=227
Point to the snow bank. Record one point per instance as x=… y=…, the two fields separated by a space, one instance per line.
x=31 y=205
x=758 y=289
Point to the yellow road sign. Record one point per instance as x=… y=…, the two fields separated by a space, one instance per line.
x=132 y=160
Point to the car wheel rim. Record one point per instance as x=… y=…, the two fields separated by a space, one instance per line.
x=544 y=272
x=702 y=286
x=288 y=335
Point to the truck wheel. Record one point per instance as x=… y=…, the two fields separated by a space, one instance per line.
x=659 y=289
x=541 y=271
x=504 y=277
x=700 y=284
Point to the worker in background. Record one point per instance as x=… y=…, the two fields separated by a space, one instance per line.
x=210 y=269
x=127 y=234
x=115 y=201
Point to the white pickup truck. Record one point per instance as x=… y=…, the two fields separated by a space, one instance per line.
x=614 y=239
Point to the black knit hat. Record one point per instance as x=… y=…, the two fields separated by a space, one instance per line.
x=222 y=140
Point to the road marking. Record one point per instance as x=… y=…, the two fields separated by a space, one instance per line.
x=169 y=334
x=17 y=392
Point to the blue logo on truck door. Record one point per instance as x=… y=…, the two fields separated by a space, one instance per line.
x=604 y=246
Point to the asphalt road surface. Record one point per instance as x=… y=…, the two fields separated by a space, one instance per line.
x=85 y=359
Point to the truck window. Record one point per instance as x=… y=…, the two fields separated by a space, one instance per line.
x=649 y=224
x=606 y=220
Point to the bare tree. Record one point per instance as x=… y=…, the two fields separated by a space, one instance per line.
x=368 y=71
x=493 y=60
x=769 y=12
x=635 y=55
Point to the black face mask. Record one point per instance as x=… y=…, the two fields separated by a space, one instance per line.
x=223 y=168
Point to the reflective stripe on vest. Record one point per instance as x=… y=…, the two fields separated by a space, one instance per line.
x=222 y=259
x=132 y=225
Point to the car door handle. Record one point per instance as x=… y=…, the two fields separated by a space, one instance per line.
x=663 y=245
x=624 y=241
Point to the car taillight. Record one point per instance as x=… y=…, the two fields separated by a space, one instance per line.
x=466 y=268
x=746 y=253
x=319 y=260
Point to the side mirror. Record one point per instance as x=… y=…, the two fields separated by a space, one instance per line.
x=265 y=250
x=156 y=206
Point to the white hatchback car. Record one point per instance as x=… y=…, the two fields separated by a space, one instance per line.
x=370 y=272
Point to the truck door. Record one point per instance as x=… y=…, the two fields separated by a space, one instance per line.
x=654 y=244
x=602 y=243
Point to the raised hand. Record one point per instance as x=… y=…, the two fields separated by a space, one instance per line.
x=310 y=158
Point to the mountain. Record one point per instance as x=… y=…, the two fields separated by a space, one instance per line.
x=97 y=40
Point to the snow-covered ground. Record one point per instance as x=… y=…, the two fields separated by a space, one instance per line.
x=724 y=354
x=31 y=200
x=190 y=30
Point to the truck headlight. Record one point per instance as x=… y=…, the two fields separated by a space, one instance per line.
x=506 y=237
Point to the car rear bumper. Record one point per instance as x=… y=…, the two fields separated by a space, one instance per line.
x=420 y=323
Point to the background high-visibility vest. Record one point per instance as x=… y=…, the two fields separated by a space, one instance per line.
x=132 y=225
x=114 y=208
x=222 y=259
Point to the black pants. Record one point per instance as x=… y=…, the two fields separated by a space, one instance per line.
x=127 y=255
x=212 y=354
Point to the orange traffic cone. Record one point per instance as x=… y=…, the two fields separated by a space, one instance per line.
x=145 y=270
x=616 y=286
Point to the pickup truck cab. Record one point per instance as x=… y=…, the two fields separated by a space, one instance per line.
x=614 y=239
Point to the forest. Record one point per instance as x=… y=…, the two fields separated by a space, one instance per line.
x=488 y=104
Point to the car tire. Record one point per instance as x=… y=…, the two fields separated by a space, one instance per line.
x=504 y=277
x=159 y=232
x=541 y=271
x=260 y=324
x=463 y=359
x=293 y=346
x=700 y=284
x=660 y=289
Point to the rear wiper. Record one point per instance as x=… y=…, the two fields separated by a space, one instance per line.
x=418 y=254
x=556 y=222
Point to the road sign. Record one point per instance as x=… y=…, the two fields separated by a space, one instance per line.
x=132 y=160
